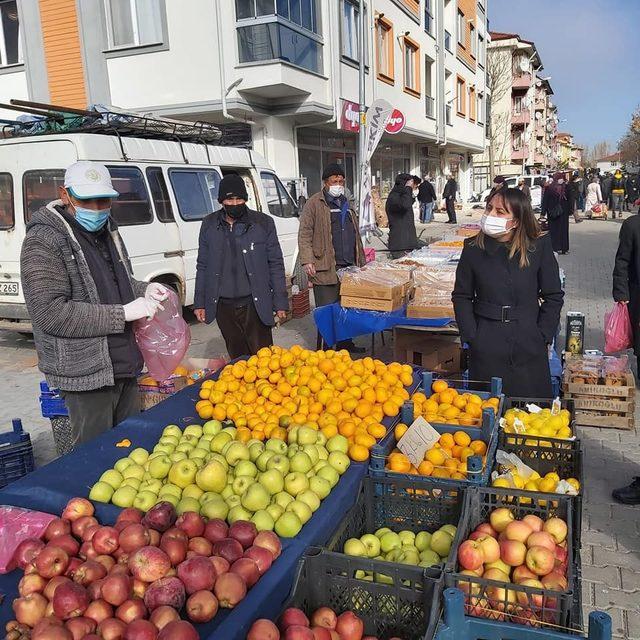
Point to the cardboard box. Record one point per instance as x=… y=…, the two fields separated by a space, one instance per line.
x=402 y=271
x=373 y=304
x=433 y=351
x=359 y=287
x=422 y=310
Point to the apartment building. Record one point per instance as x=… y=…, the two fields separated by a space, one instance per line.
x=568 y=153
x=287 y=68
x=523 y=116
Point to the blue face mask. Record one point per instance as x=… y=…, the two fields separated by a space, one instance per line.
x=90 y=219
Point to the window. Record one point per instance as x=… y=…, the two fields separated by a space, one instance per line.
x=196 y=192
x=160 y=194
x=10 y=46
x=447 y=41
x=473 y=41
x=301 y=12
x=461 y=87
x=480 y=109
x=384 y=50
x=40 y=187
x=429 y=21
x=411 y=66
x=133 y=205
x=472 y=104
x=133 y=23
x=447 y=115
x=351 y=31
x=430 y=109
x=518 y=104
x=278 y=199
x=7 y=213
x=461 y=29
x=481 y=54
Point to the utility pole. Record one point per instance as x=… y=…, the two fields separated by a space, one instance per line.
x=362 y=33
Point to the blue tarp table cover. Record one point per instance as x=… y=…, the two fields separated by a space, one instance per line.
x=337 y=323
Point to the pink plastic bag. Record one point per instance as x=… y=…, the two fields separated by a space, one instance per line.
x=16 y=525
x=369 y=255
x=618 y=333
x=164 y=340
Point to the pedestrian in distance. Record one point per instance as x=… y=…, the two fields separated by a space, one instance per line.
x=329 y=239
x=498 y=183
x=605 y=185
x=427 y=199
x=574 y=190
x=524 y=187
x=240 y=279
x=556 y=208
x=82 y=299
x=617 y=193
x=449 y=196
x=632 y=189
x=594 y=194
x=399 y=208
x=508 y=297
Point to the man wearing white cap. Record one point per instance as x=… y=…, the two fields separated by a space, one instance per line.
x=82 y=298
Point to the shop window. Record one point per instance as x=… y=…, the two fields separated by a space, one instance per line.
x=10 y=46
x=40 y=187
x=279 y=201
x=133 y=205
x=160 y=194
x=196 y=192
x=384 y=50
x=461 y=91
x=411 y=66
x=472 y=104
x=7 y=213
x=134 y=23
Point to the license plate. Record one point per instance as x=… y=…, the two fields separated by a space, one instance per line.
x=9 y=288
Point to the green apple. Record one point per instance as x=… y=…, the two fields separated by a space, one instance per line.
x=220 y=441
x=441 y=543
x=205 y=439
x=409 y=556
x=321 y=439
x=428 y=558
x=330 y=474
x=214 y=508
x=187 y=504
x=112 y=477
x=381 y=531
x=242 y=483
x=193 y=430
x=124 y=497
x=176 y=456
x=292 y=450
x=132 y=482
x=288 y=525
x=275 y=511
x=312 y=451
x=279 y=462
x=170 y=489
x=212 y=427
x=309 y=498
x=393 y=555
x=133 y=471
x=320 y=486
x=372 y=543
x=355 y=547
x=170 y=499
x=212 y=477
x=220 y=458
x=236 y=452
x=172 y=430
x=321 y=463
x=246 y=468
x=227 y=427
x=145 y=500
x=190 y=438
x=283 y=499
x=339 y=461
x=390 y=541
x=170 y=440
x=337 y=443
x=255 y=498
x=227 y=491
x=198 y=453
x=233 y=501
x=152 y=485
x=301 y=509
x=292 y=435
x=276 y=445
x=101 y=492
x=152 y=456
x=146 y=476
x=255 y=449
x=159 y=467
x=192 y=491
x=263 y=459
x=382 y=579
x=300 y=462
x=238 y=513
x=450 y=529
x=167 y=449
x=122 y=464
x=139 y=455
x=183 y=473
x=307 y=435
x=272 y=480
x=263 y=520
x=423 y=540
x=408 y=538
x=295 y=483
x=185 y=447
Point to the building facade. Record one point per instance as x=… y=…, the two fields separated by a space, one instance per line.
x=523 y=122
x=568 y=154
x=288 y=68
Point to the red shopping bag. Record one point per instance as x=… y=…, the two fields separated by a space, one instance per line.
x=618 y=333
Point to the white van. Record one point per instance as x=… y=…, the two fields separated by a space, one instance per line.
x=166 y=188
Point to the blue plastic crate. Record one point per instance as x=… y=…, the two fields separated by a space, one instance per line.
x=16 y=454
x=456 y=626
x=51 y=402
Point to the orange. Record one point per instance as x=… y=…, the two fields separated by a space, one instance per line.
x=456 y=450
x=347 y=428
x=334 y=407
x=439 y=472
x=460 y=402
x=279 y=433
x=466 y=453
x=462 y=438
x=206 y=412
x=451 y=413
x=439 y=385
x=204 y=393
x=419 y=397
x=466 y=420
x=451 y=464
x=406 y=379
x=377 y=430
x=425 y=468
x=243 y=434
x=435 y=457
x=390 y=408
x=446 y=397
x=358 y=452
x=446 y=440
x=365 y=440
x=400 y=430
x=329 y=431
x=430 y=406
x=475 y=399
x=400 y=463
x=363 y=409
x=479 y=447
x=219 y=412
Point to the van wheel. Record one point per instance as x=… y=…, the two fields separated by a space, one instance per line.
x=300 y=276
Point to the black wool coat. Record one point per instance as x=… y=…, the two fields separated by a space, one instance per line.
x=402 y=226
x=558 y=227
x=626 y=274
x=516 y=351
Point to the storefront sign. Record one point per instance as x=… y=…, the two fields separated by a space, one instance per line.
x=350 y=116
x=396 y=122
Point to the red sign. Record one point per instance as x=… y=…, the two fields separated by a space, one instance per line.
x=350 y=116
x=396 y=123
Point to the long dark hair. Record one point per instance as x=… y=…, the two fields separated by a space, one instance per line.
x=528 y=229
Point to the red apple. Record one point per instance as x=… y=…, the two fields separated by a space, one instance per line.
x=518 y=531
x=540 y=560
x=95 y=590
x=229 y=548
x=39 y=630
x=523 y=573
x=116 y=589
x=293 y=616
x=512 y=552
x=201 y=606
x=70 y=600
x=76 y=508
x=470 y=555
x=33 y=583
x=89 y=532
x=154 y=537
x=487 y=529
x=166 y=591
x=120 y=569
x=74 y=563
x=107 y=562
x=230 y=589
x=322 y=633
x=467 y=587
x=27 y=551
x=80 y=627
x=56 y=528
x=178 y=630
x=174 y=532
x=87 y=552
x=83 y=522
x=133 y=537
x=140 y=630
x=219 y=564
x=163 y=615
x=262 y=557
x=112 y=629
x=149 y=563
x=160 y=517
x=555 y=581
x=131 y=610
x=531 y=599
x=52 y=585
x=175 y=548
x=541 y=539
x=130 y=514
x=496 y=574
x=120 y=525
x=324 y=617
x=263 y=629
x=105 y=540
x=51 y=561
x=490 y=547
x=248 y=569
x=349 y=626
x=196 y=574
x=534 y=522
x=244 y=532
x=557 y=528
x=298 y=632
x=99 y=610
x=30 y=609
x=56 y=633
x=89 y=572
x=500 y=518
x=215 y=530
x=201 y=546
x=191 y=523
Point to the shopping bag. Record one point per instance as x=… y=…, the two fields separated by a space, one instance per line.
x=597 y=208
x=163 y=340
x=618 y=333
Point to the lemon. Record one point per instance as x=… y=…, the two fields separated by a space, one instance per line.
x=547 y=485
x=555 y=422
x=531 y=485
x=553 y=476
x=548 y=431
x=574 y=483
x=534 y=475
x=545 y=443
x=501 y=482
x=518 y=480
x=564 y=433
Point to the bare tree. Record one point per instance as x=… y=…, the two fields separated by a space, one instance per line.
x=629 y=146
x=499 y=81
x=592 y=154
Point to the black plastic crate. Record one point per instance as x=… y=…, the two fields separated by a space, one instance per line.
x=404 y=608
x=16 y=454
x=557 y=606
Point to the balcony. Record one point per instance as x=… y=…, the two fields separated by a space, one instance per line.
x=520 y=154
x=522 y=81
x=538 y=158
x=429 y=107
x=521 y=117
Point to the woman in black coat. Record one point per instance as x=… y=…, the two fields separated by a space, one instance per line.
x=502 y=275
x=399 y=208
x=556 y=208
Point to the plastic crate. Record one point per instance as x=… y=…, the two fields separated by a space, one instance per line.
x=558 y=607
x=402 y=609
x=456 y=626
x=16 y=454
x=53 y=407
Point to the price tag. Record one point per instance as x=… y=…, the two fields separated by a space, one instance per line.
x=556 y=407
x=533 y=408
x=418 y=439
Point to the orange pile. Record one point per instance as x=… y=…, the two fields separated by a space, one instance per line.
x=447 y=405
x=278 y=389
x=446 y=459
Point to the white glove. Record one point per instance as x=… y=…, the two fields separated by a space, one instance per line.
x=141 y=308
x=156 y=292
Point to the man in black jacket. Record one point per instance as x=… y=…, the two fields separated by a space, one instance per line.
x=449 y=195
x=427 y=199
x=240 y=278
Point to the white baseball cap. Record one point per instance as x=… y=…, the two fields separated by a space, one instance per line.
x=87 y=180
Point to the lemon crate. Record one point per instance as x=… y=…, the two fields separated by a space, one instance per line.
x=544 y=403
x=402 y=608
x=456 y=625
x=559 y=608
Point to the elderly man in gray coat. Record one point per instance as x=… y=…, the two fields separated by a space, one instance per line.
x=82 y=299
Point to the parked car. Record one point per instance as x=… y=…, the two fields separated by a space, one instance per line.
x=535 y=183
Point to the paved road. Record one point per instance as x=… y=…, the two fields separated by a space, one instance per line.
x=611 y=532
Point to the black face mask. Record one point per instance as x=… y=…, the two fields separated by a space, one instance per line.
x=235 y=211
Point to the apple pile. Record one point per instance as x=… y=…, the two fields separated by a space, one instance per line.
x=132 y=581
x=530 y=552
x=325 y=624
x=422 y=549
x=206 y=470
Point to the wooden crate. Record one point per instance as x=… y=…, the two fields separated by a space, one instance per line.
x=373 y=304
x=603 y=420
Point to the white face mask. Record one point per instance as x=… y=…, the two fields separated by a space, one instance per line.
x=336 y=190
x=493 y=225
x=415 y=193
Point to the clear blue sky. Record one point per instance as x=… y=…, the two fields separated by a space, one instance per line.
x=591 y=50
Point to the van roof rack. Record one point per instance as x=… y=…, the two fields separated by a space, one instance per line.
x=47 y=119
